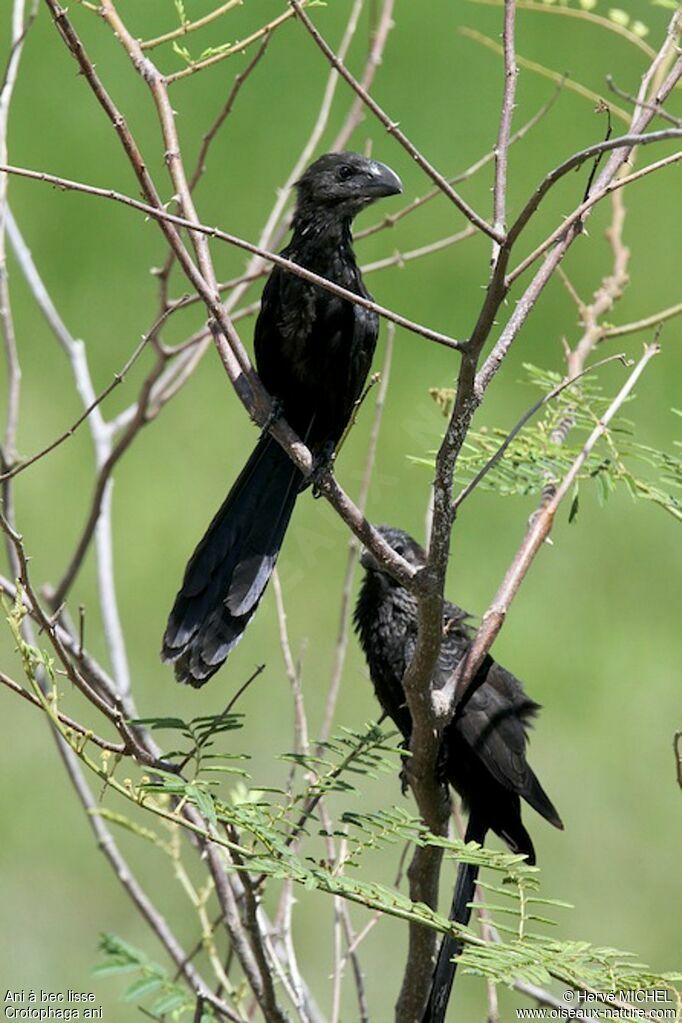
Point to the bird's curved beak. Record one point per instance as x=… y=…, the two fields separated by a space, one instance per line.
x=381 y=180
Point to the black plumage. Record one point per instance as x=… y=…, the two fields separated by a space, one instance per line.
x=313 y=352
x=483 y=750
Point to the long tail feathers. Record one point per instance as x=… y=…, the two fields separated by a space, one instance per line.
x=230 y=568
x=460 y=912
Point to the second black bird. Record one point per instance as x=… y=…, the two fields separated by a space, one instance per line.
x=313 y=354
x=483 y=749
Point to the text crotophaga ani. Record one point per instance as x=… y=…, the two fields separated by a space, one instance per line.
x=313 y=353
x=483 y=750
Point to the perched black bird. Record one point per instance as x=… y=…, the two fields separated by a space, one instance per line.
x=483 y=751
x=313 y=353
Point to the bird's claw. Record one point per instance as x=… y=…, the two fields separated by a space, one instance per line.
x=404 y=770
x=404 y=779
x=276 y=412
x=324 y=462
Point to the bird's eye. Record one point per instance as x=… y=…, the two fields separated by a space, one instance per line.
x=344 y=172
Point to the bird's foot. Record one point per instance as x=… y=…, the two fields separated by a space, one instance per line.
x=404 y=769
x=276 y=412
x=324 y=463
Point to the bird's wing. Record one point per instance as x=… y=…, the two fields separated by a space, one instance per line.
x=494 y=718
x=493 y=723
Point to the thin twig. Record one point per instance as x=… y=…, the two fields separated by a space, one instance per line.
x=646 y=323
x=607 y=181
x=585 y=207
x=658 y=111
x=625 y=143
x=190 y=26
x=502 y=147
x=301 y=737
x=229 y=51
x=163 y=273
x=401 y=258
x=99 y=504
x=111 y=709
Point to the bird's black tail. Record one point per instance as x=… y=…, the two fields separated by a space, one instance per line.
x=230 y=568
x=460 y=913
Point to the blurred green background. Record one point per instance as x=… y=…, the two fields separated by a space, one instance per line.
x=595 y=629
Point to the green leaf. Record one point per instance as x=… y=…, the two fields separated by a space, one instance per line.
x=204 y=802
x=160 y=722
x=142 y=987
x=170 y=1002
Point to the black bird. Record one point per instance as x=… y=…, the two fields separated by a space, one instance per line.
x=313 y=353
x=483 y=751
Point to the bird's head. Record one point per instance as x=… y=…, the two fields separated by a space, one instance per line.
x=345 y=183
x=402 y=543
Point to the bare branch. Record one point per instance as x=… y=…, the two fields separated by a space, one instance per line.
x=118 y=379
x=109 y=705
x=400 y=258
x=163 y=273
x=100 y=497
x=225 y=112
x=301 y=738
